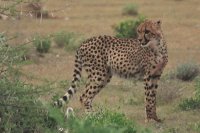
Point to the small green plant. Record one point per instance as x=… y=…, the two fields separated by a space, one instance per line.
x=63 y=38
x=104 y=121
x=187 y=71
x=130 y=9
x=196 y=127
x=128 y=28
x=74 y=43
x=42 y=44
x=190 y=104
x=194 y=102
x=69 y=40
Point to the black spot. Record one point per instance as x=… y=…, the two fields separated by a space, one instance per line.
x=76 y=71
x=65 y=98
x=156 y=86
x=76 y=79
x=70 y=92
x=81 y=99
x=150 y=87
x=73 y=86
x=76 y=65
x=153 y=95
x=99 y=79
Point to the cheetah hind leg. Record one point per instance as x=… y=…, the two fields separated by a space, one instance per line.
x=92 y=89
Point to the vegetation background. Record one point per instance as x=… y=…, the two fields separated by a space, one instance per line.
x=64 y=24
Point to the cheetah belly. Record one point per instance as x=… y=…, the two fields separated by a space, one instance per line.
x=123 y=65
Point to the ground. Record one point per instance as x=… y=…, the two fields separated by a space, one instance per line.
x=180 y=23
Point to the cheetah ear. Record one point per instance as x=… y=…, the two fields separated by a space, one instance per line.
x=159 y=22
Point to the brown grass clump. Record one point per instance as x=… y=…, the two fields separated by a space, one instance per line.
x=168 y=92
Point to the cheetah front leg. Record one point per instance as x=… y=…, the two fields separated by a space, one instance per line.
x=150 y=97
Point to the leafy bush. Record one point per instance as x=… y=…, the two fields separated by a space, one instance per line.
x=42 y=44
x=20 y=111
x=69 y=40
x=63 y=38
x=128 y=28
x=74 y=43
x=192 y=103
x=187 y=71
x=104 y=121
x=130 y=9
x=9 y=56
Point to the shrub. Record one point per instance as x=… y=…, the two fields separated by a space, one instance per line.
x=20 y=109
x=69 y=40
x=104 y=121
x=187 y=71
x=192 y=103
x=63 y=38
x=128 y=28
x=130 y=9
x=74 y=43
x=42 y=44
x=9 y=55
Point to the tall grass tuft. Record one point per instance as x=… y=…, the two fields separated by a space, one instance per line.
x=42 y=44
x=63 y=38
x=69 y=40
x=130 y=9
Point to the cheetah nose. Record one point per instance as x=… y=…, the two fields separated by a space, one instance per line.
x=140 y=40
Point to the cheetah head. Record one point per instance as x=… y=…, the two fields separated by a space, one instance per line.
x=149 y=33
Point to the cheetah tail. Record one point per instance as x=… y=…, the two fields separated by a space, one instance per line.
x=76 y=78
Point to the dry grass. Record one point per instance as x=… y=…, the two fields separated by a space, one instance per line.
x=180 y=25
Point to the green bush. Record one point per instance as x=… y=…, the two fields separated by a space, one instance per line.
x=69 y=40
x=187 y=71
x=130 y=9
x=128 y=28
x=63 y=38
x=74 y=43
x=105 y=121
x=42 y=44
x=192 y=103
x=20 y=109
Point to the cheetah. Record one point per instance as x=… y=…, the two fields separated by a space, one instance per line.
x=103 y=56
